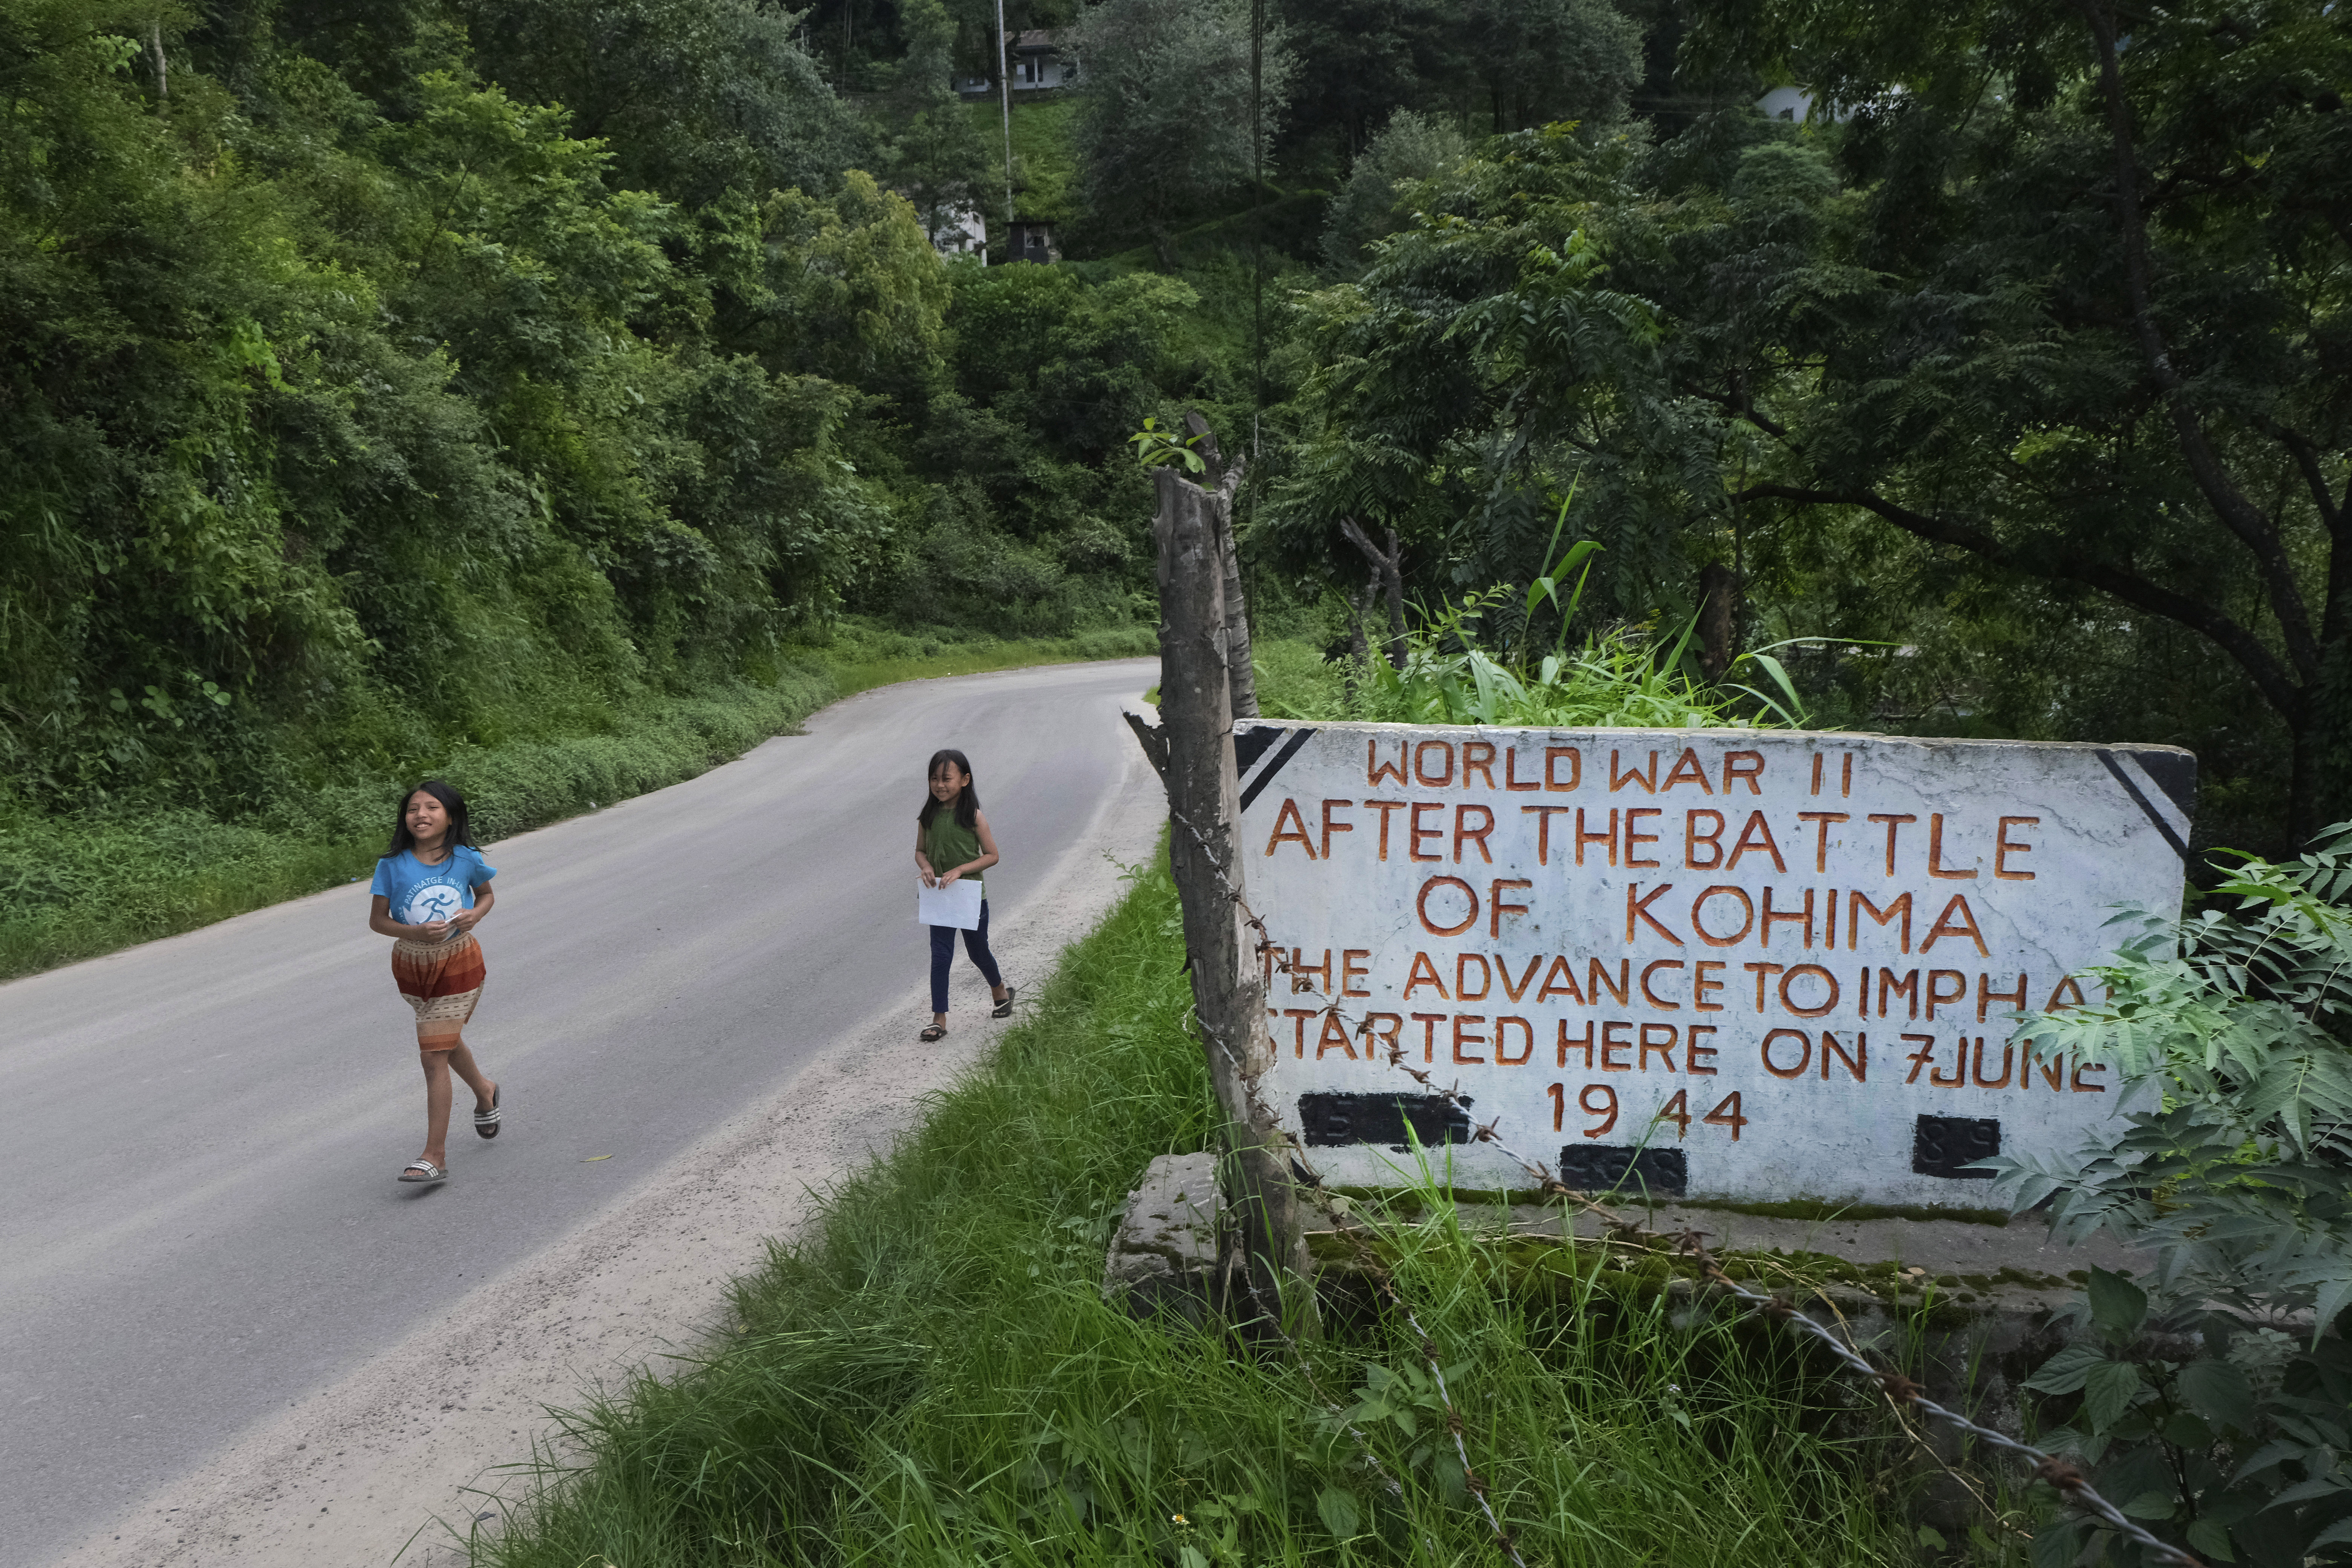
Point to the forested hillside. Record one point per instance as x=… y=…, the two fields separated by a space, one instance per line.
x=2019 y=369
x=378 y=372
x=383 y=381
x=2005 y=353
x=389 y=384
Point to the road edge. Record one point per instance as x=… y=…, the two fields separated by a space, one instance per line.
x=391 y=1461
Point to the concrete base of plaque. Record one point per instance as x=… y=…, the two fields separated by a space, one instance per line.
x=1164 y=1256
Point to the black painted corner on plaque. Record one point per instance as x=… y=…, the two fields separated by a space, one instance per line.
x=1943 y=1145
x=1604 y=1167
x=1330 y=1118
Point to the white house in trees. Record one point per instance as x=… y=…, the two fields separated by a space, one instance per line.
x=1034 y=62
x=957 y=230
x=1795 y=104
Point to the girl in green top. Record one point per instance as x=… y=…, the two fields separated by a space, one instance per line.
x=952 y=842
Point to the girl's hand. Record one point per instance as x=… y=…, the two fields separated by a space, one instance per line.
x=464 y=921
x=435 y=930
x=948 y=878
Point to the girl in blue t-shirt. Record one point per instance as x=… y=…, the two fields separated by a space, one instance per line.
x=432 y=888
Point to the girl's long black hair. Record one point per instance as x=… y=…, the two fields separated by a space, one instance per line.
x=460 y=831
x=967 y=805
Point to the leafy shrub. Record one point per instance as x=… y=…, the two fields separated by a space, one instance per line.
x=2226 y=1435
x=1618 y=677
x=1164 y=125
x=1411 y=148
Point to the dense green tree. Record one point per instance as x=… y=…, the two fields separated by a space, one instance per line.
x=1360 y=61
x=1540 y=60
x=2030 y=364
x=847 y=287
x=2081 y=326
x=1484 y=67
x=930 y=150
x=1410 y=147
x=1486 y=361
x=1037 y=522
x=1167 y=118
x=148 y=562
x=693 y=97
x=324 y=423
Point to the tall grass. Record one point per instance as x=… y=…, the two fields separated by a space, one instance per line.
x=1616 y=679
x=932 y=1376
x=76 y=886
x=1477 y=660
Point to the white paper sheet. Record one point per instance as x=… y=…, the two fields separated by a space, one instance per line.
x=957 y=904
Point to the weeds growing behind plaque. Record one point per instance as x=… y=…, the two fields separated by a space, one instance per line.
x=1464 y=665
x=932 y=1374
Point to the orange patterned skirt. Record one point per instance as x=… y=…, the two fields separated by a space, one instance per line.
x=442 y=981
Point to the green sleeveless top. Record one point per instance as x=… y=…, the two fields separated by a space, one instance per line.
x=948 y=845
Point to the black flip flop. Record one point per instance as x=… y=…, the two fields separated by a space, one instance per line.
x=486 y=1122
x=932 y=1032
x=1005 y=1009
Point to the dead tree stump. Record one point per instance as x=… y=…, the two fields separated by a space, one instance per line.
x=1196 y=740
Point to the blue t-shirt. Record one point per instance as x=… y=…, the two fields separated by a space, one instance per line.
x=421 y=894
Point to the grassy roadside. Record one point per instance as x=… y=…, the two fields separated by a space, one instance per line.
x=932 y=1376
x=74 y=887
x=876 y=662
x=1042 y=156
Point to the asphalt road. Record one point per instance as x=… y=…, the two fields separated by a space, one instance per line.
x=202 y=1224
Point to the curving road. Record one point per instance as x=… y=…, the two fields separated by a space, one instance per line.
x=201 y=1134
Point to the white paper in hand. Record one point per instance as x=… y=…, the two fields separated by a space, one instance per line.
x=956 y=905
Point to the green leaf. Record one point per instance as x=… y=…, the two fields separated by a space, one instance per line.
x=1336 y=1507
x=2218 y=1390
x=2317 y=1487
x=2110 y=1390
x=2187 y=1429
x=2118 y=1306
x=2064 y=1372
x=2270 y=1454
x=2341 y=1530
x=2057 y=1545
x=2333 y=1293
x=2208 y=1537
x=2152 y=1505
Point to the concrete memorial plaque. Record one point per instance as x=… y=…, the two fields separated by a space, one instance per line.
x=1725 y=964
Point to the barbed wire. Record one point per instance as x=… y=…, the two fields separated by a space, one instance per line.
x=2061 y=1476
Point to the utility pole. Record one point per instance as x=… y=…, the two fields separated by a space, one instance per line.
x=1257 y=212
x=1005 y=93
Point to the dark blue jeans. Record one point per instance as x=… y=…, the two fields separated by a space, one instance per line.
x=975 y=943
